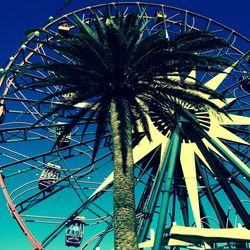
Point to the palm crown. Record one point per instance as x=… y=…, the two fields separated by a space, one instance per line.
x=112 y=60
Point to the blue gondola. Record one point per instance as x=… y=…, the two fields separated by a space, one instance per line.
x=48 y=177
x=75 y=232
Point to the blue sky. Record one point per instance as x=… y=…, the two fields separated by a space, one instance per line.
x=18 y=16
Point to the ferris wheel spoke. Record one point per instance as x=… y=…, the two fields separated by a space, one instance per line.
x=17 y=217
x=57 y=186
x=242 y=152
x=189 y=173
x=217 y=166
x=43 y=156
x=42 y=55
x=89 y=201
x=233 y=159
x=208 y=192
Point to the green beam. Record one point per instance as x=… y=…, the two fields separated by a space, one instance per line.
x=243 y=171
x=166 y=192
x=156 y=194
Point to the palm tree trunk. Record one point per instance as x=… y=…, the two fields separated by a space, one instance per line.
x=124 y=201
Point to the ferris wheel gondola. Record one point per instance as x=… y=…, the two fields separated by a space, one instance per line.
x=48 y=177
x=75 y=232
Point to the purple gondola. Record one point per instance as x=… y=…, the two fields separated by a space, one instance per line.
x=48 y=177
x=75 y=232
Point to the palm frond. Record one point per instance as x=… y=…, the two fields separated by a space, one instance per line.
x=111 y=59
x=102 y=120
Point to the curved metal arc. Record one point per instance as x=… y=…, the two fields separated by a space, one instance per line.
x=101 y=235
x=159 y=6
x=93 y=197
x=35 y=196
x=60 y=228
x=128 y=4
x=45 y=154
x=78 y=184
x=26 y=231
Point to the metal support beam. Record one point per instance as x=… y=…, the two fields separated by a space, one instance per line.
x=221 y=148
x=217 y=168
x=156 y=193
x=166 y=195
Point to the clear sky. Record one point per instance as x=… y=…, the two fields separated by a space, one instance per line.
x=17 y=16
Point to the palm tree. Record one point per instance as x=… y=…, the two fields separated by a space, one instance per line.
x=122 y=72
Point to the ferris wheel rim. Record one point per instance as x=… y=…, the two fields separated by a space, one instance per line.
x=124 y=3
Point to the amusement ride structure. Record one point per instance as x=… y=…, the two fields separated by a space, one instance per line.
x=192 y=189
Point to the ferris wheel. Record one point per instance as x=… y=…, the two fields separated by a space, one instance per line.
x=192 y=190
